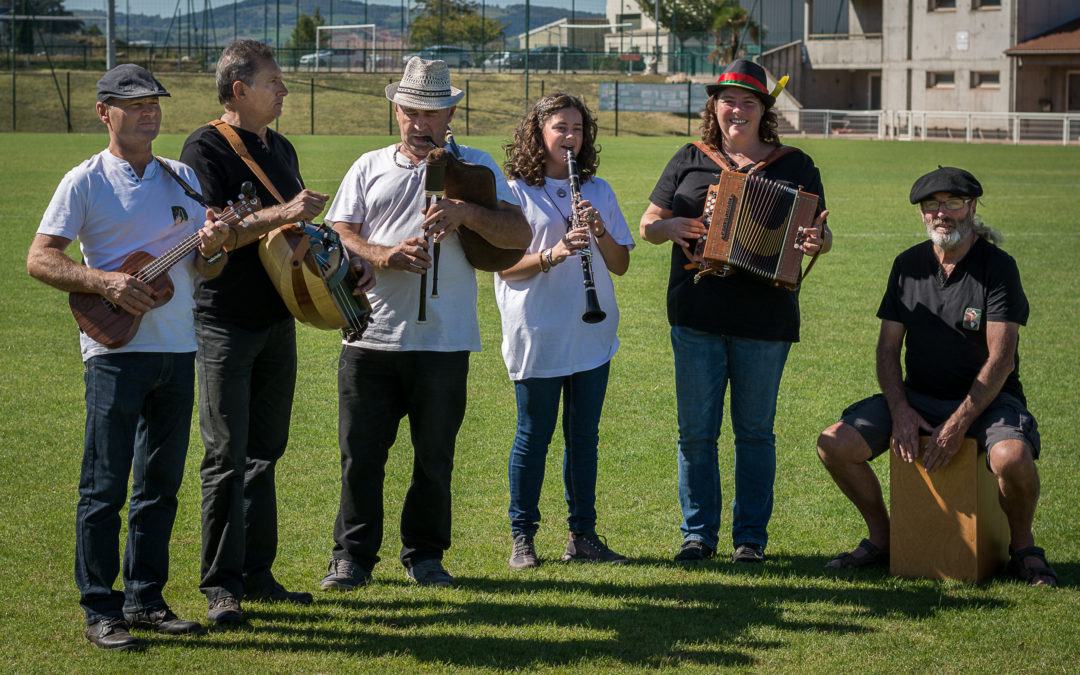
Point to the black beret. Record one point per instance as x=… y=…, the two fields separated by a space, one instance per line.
x=128 y=81
x=945 y=179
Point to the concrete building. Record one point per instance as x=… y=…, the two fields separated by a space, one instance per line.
x=988 y=56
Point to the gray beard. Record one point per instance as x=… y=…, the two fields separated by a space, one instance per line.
x=947 y=242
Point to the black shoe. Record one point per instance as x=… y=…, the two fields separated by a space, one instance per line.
x=275 y=592
x=163 y=621
x=112 y=633
x=225 y=611
x=344 y=575
x=430 y=572
x=523 y=554
x=748 y=553
x=590 y=547
x=694 y=550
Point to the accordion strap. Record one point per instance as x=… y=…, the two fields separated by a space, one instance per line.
x=726 y=162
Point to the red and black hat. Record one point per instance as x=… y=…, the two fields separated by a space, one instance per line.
x=745 y=74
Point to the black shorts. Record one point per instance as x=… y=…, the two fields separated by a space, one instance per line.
x=1006 y=418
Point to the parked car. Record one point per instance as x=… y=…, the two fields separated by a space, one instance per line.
x=551 y=57
x=498 y=61
x=455 y=57
x=331 y=58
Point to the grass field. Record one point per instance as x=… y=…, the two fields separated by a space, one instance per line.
x=789 y=615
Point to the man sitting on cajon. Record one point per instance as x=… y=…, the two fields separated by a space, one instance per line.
x=956 y=302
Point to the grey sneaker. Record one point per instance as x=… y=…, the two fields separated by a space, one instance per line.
x=591 y=547
x=523 y=554
x=430 y=572
x=162 y=620
x=748 y=553
x=344 y=575
x=225 y=611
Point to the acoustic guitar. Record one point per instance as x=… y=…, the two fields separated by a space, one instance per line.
x=107 y=323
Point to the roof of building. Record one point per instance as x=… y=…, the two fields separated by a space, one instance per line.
x=1065 y=39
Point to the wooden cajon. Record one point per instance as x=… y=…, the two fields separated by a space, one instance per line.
x=946 y=524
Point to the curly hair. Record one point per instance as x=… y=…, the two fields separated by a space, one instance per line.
x=713 y=135
x=525 y=155
x=239 y=62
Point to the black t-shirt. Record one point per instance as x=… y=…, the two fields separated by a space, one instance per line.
x=243 y=293
x=739 y=305
x=945 y=319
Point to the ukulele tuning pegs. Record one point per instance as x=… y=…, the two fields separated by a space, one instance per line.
x=247 y=189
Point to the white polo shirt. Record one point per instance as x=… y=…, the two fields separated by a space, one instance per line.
x=388 y=200
x=113 y=212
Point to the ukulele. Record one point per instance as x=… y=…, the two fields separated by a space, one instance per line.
x=107 y=323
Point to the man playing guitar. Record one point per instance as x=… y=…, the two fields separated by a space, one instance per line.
x=139 y=395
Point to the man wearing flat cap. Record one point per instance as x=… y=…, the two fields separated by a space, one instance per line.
x=138 y=392
x=956 y=303
x=402 y=366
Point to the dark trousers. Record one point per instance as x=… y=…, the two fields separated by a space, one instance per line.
x=138 y=424
x=246 y=381
x=375 y=390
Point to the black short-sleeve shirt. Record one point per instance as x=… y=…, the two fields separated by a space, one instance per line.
x=945 y=319
x=243 y=293
x=739 y=305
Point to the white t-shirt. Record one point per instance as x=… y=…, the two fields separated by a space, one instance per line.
x=112 y=212
x=389 y=202
x=543 y=334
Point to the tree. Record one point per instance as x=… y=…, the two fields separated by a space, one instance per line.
x=26 y=30
x=452 y=22
x=303 y=35
x=725 y=18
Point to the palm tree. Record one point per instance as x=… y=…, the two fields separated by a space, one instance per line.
x=732 y=24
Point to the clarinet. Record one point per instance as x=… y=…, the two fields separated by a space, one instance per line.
x=593 y=313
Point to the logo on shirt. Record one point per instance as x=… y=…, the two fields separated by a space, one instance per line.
x=973 y=318
x=179 y=214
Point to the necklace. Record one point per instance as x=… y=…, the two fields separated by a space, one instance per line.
x=397 y=150
x=562 y=193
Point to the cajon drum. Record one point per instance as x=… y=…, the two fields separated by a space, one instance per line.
x=946 y=524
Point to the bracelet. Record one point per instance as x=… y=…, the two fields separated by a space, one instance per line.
x=603 y=233
x=214 y=258
x=543 y=269
x=551 y=263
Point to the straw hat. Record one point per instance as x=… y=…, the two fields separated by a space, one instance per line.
x=424 y=86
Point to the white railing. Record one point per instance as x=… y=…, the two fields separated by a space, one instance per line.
x=922 y=125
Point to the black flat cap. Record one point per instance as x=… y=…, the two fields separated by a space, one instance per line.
x=945 y=179
x=128 y=81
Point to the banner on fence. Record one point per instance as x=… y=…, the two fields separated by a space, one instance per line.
x=651 y=97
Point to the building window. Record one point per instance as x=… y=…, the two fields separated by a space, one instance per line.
x=941 y=80
x=633 y=19
x=989 y=80
x=986 y=4
x=937 y=5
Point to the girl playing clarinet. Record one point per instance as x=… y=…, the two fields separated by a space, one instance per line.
x=549 y=350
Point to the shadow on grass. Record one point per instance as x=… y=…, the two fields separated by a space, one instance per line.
x=509 y=623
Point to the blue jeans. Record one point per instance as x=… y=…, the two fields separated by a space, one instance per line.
x=376 y=389
x=246 y=380
x=537 y=410
x=138 y=425
x=704 y=365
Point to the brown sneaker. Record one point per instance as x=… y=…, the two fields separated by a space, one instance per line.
x=523 y=555
x=590 y=547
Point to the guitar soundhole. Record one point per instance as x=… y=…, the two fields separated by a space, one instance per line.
x=109 y=305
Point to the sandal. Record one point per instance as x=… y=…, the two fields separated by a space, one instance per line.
x=1028 y=574
x=874 y=556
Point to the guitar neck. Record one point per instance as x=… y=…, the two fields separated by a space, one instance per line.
x=165 y=261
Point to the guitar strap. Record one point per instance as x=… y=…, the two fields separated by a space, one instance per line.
x=241 y=150
x=188 y=190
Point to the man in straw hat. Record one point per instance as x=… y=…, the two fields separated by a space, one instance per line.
x=956 y=303
x=402 y=366
x=138 y=394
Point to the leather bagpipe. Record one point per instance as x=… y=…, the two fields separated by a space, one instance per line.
x=473 y=183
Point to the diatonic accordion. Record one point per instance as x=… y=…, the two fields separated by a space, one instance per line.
x=754 y=225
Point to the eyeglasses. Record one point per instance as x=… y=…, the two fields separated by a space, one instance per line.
x=955 y=204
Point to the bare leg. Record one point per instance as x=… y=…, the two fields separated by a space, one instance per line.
x=1018 y=493
x=847 y=458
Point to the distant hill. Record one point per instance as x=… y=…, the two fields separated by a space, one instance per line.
x=260 y=20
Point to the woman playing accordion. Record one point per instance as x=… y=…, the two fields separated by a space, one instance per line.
x=733 y=329
x=549 y=350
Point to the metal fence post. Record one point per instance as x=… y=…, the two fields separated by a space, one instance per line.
x=390 y=118
x=616 y=107
x=689 y=108
x=466 y=107
x=67 y=112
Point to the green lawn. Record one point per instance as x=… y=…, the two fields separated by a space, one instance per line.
x=789 y=615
